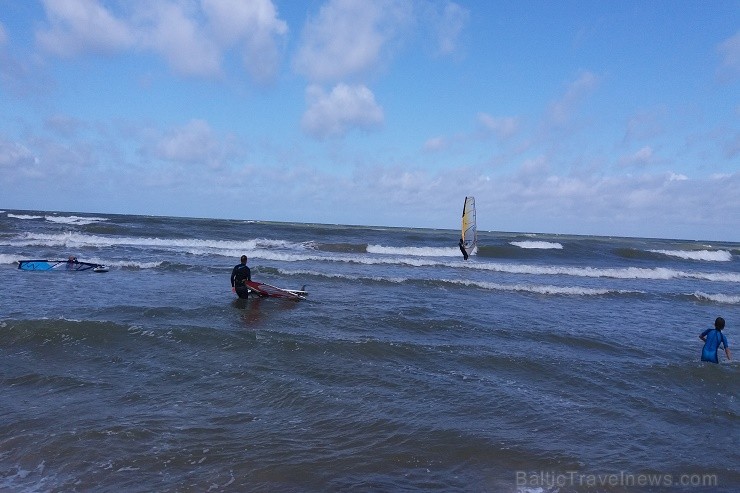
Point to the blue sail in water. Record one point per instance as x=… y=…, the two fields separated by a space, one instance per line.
x=60 y=265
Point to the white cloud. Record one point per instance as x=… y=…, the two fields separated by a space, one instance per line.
x=729 y=49
x=732 y=146
x=435 y=144
x=77 y=26
x=348 y=38
x=345 y=107
x=194 y=143
x=644 y=125
x=191 y=36
x=643 y=157
x=253 y=25
x=449 y=25
x=15 y=156
x=561 y=111
x=175 y=35
x=502 y=127
x=677 y=177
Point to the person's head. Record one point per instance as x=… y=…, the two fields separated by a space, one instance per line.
x=719 y=324
x=244 y=259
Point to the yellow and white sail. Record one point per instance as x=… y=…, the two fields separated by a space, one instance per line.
x=469 y=228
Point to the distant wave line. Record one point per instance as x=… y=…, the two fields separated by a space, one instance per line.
x=76 y=220
x=707 y=255
x=414 y=251
x=24 y=216
x=80 y=240
x=518 y=287
x=280 y=250
x=719 y=298
x=657 y=273
x=537 y=245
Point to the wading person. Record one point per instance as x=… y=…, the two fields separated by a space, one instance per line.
x=713 y=338
x=239 y=274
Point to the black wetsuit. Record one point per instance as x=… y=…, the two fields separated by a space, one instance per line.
x=462 y=249
x=239 y=274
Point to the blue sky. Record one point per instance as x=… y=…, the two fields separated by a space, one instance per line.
x=576 y=117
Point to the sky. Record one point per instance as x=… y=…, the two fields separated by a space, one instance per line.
x=616 y=118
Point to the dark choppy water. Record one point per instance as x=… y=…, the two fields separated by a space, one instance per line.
x=545 y=364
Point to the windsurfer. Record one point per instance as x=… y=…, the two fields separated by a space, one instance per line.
x=462 y=249
x=239 y=274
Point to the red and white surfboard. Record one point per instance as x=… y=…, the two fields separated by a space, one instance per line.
x=275 y=292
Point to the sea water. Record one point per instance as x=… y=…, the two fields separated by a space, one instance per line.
x=545 y=363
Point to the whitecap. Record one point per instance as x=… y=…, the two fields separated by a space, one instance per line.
x=705 y=255
x=75 y=220
x=24 y=216
x=718 y=298
x=537 y=245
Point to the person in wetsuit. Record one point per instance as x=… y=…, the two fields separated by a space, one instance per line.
x=239 y=275
x=713 y=338
x=462 y=249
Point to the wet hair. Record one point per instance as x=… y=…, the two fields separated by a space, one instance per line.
x=719 y=324
x=244 y=258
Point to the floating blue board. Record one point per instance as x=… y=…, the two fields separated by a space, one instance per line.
x=59 y=265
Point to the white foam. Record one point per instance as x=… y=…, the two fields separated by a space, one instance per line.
x=718 y=298
x=544 y=289
x=615 y=273
x=285 y=251
x=8 y=259
x=538 y=245
x=414 y=251
x=706 y=255
x=76 y=220
x=518 y=287
x=24 y=216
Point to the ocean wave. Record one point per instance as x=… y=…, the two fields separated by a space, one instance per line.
x=718 y=298
x=537 y=245
x=543 y=289
x=75 y=220
x=657 y=273
x=24 y=216
x=287 y=251
x=705 y=255
x=8 y=259
x=131 y=264
x=414 y=251
x=194 y=246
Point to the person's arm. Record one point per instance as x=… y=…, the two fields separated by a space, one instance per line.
x=727 y=350
x=233 y=274
x=703 y=335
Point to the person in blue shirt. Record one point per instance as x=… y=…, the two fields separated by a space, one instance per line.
x=712 y=339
